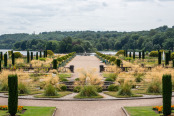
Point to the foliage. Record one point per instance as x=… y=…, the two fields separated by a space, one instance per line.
x=23 y=89
x=77 y=88
x=4 y=87
x=61 y=87
x=50 y=90
x=167 y=94
x=111 y=77
x=54 y=64
x=113 y=87
x=42 y=59
x=13 y=94
x=172 y=55
x=153 y=54
x=50 y=52
x=88 y=91
x=125 y=90
x=154 y=87
x=120 y=52
x=5 y=60
x=17 y=55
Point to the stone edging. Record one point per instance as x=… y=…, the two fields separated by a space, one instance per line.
x=54 y=113
x=125 y=112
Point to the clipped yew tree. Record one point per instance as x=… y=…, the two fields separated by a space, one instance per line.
x=36 y=55
x=13 y=94
x=173 y=63
x=31 y=55
x=159 y=57
x=13 y=59
x=55 y=64
x=28 y=57
x=167 y=94
x=134 y=55
x=143 y=54
x=5 y=60
x=139 y=55
x=0 y=65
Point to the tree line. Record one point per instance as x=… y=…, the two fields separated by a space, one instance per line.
x=90 y=41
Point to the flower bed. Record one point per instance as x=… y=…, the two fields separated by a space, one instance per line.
x=159 y=109
x=19 y=109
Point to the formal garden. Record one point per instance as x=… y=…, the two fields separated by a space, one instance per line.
x=125 y=75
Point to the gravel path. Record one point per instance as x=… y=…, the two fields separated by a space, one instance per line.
x=86 y=63
x=88 y=108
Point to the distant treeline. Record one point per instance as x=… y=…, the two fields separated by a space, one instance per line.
x=90 y=41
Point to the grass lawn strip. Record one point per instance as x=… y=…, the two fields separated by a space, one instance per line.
x=60 y=94
x=114 y=94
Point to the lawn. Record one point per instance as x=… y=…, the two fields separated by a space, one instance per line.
x=88 y=97
x=34 y=111
x=60 y=94
x=114 y=94
x=141 y=111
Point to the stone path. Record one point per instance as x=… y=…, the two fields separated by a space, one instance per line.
x=86 y=63
x=88 y=108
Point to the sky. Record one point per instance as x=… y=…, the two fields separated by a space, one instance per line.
x=28 y=16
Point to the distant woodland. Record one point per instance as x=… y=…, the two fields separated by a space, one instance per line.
x=90 y=41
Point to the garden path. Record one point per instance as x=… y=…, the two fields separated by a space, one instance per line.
x=84 y=62
x=88 y=108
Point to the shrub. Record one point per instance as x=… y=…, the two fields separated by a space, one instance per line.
x=88 y=91
x=37 y=56
x=61 y=87
x=172 y=56
x=40 y=54
x=5 y=59
x=113 y=87
x=154 y=87
x=13 y=59
x=42 y=59
x=167 y=93
x=159 y=57
x=77 y=79
x=112 y=59
x=22 y=89
x=4 y=87
x=134 y=55
x=13 y=94
x=31 y=55
x=99 y=88
x=17 y=55
x=28 y=57
x=120 y=52
x=77 y=88
x=153 y=54
x=55 y=64
x=49 y=52
x=118 y=62
x=125 y=90
x=50 y=90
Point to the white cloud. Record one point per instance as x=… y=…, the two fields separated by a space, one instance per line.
x=51 y=15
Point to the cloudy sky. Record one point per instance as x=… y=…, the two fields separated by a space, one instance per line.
x=27 y=16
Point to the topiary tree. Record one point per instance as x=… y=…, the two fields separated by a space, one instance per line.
x=134 y=55
x=44 y=54
x=31 y=55
x=13 y=94
x=139 y=55
x=126 y=53
x=159 y=57
x=28 y=57
x=167 y=59
x=169 y=55
x=13 y=59
x=1 y=56
x=173 y=63
x=143 y=54
x=167 y=93
x=130 y=55
x=40 y=54
x=5 y=60
x=154 y=54
x=118 y=62
x=55 y=64
x=36 y=55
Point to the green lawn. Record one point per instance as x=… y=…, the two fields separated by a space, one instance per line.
x=141 y=111
x=64 y=75
x=34 y=111
x=114 y=94
x=60 y=94
x=83 y=97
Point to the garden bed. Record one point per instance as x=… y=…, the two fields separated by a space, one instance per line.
x=114 y=94
x=60 y=94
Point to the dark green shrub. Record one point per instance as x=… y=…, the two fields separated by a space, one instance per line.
x=153 y=54
x=126 y=53
x=167 y=94
x=118 y=62
x=139 y=55
x=22 y=89
x=125 y=90
x=50 y=90
x=17 y=55
x=44 y=54
x=113 y=87
x=173 y=63
x=31 y=55
x=0 y=65
x=37 y=56
x=159 y=57
x=154 y=87
x=77 y=79
x=143 y=54
x=99 y=88
x=28 y=57
x=77 y=88
x=167 y=59
x=112 y=59
x=40 y=54
x=5 y=60
x=88 y=91
x=13 y=59
x=55 y=64
x=1 y=56
x=13 y=94
x=134 y=55
x=169 y=55
x=130 y=55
